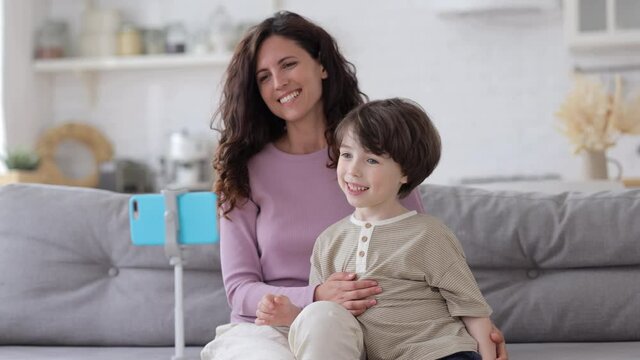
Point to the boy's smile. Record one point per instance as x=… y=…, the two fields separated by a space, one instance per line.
x=369 y=181
x=356 y=189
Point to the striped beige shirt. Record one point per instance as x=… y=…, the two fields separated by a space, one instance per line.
x=425 y=279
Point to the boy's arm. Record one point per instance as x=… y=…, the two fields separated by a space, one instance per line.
x=464 y=299
x=480 y=328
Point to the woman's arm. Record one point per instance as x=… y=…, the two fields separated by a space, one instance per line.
x=241 y=268
x=480 y=328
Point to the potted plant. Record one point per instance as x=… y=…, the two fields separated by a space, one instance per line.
x=22 y=166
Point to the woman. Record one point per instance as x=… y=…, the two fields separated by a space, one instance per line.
x=287 y=88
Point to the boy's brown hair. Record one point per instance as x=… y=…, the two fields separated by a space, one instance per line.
x=396 y=127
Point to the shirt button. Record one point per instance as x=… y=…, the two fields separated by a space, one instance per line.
x=367 y=225
x=364 y=239
x=361 y=253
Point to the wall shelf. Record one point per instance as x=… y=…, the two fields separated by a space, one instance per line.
x=129 y=63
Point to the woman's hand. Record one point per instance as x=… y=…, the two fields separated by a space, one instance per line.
x=501 y=347
x=276 y=310
x=344 y=289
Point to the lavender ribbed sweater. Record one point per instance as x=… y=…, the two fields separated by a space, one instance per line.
x=266 y=245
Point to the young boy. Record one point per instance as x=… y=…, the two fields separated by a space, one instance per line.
x=431 y=307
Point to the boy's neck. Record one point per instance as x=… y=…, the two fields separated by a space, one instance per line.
x=378 y=214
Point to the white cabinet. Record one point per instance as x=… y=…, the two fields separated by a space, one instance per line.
x=596 y=25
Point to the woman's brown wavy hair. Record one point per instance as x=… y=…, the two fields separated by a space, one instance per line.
x=245 y=122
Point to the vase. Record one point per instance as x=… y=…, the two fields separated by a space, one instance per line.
x=594 y=165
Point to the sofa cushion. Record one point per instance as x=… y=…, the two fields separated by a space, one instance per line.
x=562 y=267
x=70 y=276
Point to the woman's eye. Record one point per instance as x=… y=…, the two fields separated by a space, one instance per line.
x=372 y=161
x=345 y=155
x=289 y=65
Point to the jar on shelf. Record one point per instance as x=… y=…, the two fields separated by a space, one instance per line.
x=52 y=40
x=98 y=35
x=176 y=40
x=129 y=40
x=153 y=41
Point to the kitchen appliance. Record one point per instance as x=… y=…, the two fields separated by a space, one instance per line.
x=186 y=162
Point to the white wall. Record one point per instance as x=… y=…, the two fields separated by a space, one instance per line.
x=24 y=94
x=490 y=83
x=2 y=126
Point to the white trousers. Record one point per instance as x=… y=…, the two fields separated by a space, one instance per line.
x=323 y=330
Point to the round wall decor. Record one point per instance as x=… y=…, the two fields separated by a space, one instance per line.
x=96 y=142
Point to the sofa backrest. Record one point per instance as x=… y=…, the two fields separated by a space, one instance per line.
x=70 y=276
x=560 y=267
x=553 y=267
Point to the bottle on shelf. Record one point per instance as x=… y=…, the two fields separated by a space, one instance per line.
x=221 y=30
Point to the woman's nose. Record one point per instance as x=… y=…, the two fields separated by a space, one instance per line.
x=280 y=81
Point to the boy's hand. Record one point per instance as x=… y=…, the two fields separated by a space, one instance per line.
x=498 y=339
x=276 y=310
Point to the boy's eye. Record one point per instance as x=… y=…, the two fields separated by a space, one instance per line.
x=372 y=161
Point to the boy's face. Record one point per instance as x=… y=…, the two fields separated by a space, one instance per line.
x=370 y=182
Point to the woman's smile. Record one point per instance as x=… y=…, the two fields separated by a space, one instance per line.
x=287 y=74
x=289 y=97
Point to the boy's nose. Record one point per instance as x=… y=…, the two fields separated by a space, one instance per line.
x=354 y=170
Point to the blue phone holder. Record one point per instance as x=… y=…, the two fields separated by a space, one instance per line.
x=173 y=250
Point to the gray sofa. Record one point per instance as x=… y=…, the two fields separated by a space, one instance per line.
x=562 y=273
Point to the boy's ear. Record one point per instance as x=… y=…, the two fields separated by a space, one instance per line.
x=404 y=180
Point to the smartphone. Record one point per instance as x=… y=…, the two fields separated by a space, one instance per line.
x=197 y=219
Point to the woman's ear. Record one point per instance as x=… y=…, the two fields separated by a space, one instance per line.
x=404 y=180
x=324 y=74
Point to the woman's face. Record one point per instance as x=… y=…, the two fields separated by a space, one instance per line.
x=290 y=80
